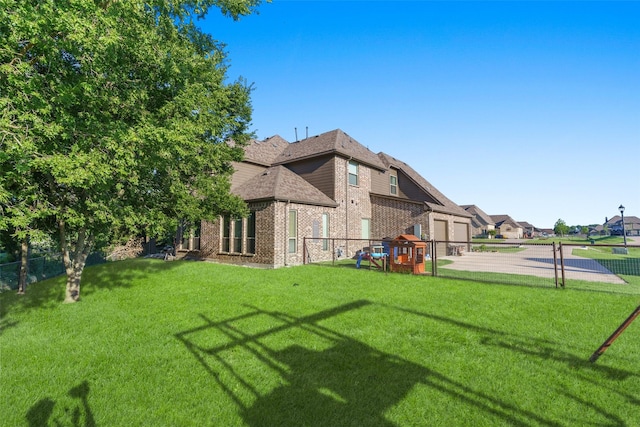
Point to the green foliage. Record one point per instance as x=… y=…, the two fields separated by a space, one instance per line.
x=206 y=344
x=115 y=117
x=560 y=228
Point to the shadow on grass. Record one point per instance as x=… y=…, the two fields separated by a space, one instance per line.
x=626 y=266
x=6 y=324
x=50 y=293
x=498 y=278
x=43 y=413
x=346 y=383
x=534 y=347
x=581 y=265
x=611 y=417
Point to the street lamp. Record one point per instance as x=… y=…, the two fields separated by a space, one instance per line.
x=624 y=234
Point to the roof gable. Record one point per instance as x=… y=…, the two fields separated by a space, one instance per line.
x=502 y=219
x=441 y=204
x=528 y=226
x=333 y=142
x=479 y=214
x=279 y=183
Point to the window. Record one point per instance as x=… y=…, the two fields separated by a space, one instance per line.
x=226 y=233
x=239 y=235
x=353 y=173
x=293 y=231
x=190 y=236
x=393 y=184
x=325 y=232
x=251 y=233
x=366 y=224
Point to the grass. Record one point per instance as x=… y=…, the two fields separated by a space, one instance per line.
x=501 y=249
x=579 y=240
x=626 y=266
x=186 y=343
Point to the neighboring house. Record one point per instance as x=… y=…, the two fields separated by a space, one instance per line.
x=507 y=227
x=530 y=231
x=481 y=223
x=323 y=187
x=547 y=232
x=631 y=225
x=598 y=230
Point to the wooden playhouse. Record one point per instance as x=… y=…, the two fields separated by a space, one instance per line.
x=407 y=253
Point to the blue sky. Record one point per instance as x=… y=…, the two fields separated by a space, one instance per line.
x=530 y=109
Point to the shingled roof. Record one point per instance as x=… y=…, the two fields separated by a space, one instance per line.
x=528 y=226
x=265 y=152
x=280 y=184
x=501 y=219
x=333 y=142
x=478 y=213
x=441 y=204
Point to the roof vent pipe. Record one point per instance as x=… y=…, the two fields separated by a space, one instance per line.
x=307 y=132
x=296 y=131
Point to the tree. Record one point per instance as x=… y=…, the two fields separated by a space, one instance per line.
x=116 y=118
x=560 y=228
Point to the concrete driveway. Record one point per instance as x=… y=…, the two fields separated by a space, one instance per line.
x=533 y=261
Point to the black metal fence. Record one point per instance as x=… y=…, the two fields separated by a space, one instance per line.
x=522 y=263
x=40 y=268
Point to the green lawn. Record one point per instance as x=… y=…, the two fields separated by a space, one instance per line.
x=581 y=240
x=157 y=343
x=502 y=249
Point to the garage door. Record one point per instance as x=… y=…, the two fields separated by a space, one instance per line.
x=440 y=235
x=460 y=231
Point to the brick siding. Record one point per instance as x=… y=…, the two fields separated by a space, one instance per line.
x=392 y=217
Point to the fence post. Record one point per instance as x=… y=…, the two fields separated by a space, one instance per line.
x=333 y=251
x=555 y=264
x=562 y=264
x=615 y=335
x=434 y=258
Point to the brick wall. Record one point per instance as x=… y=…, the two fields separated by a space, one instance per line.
x=354 y=204
x=309 y=218
x=211 y=240
x=392 y=217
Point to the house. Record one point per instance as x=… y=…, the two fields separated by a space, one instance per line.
x=481 y=223
x=598 y=230
x=631 y=225
x=547 y=232
x=507 y=227
x=324 y=188
x=530 y=231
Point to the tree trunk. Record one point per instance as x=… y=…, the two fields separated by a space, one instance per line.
x=24 y=266
x=74 y=268
x=74 y=260
x=72 y=293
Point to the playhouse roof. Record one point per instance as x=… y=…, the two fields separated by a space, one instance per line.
x=409 y=237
